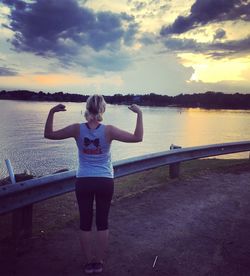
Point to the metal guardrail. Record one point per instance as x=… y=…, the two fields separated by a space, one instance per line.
x=15 y=196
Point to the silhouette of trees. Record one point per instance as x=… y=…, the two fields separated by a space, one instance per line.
x=208 y=100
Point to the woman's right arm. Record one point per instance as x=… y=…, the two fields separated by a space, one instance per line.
x=64 y=133
x=114 y=133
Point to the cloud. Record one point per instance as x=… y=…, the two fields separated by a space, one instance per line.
x=214 y=49
x=64 y=29
x=235 y=46
x=5 y=71
x=157 y=73
x=129 y=36
x=183 y=45
x=102 y=61
x=205 y=11
x=222 y=86
x=148 y=39
x=146 y=10
x=139 y=5
x=219 y=34
x=18 y=4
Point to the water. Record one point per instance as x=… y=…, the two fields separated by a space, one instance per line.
x=22 y=125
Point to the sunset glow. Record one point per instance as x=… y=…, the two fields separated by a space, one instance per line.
x=127 y=46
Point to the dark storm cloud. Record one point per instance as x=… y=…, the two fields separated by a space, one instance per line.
x=5 y=71
x=19 y=4
x=205 y=11
x=219 y=34
x=182 y=45
x=61 y=28
x=215 y=49
x=234 y=46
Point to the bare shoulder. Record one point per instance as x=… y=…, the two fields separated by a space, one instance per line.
x=108 y=132
x=109 y=127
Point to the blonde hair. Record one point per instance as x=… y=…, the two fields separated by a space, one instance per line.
x=95 y=107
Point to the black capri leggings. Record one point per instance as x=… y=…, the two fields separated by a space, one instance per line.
x=87 y=189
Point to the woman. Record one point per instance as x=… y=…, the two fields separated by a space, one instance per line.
x=95 y=172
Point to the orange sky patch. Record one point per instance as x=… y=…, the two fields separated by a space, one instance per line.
x=60 y=81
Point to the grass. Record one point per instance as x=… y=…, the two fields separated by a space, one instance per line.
x=53 y=214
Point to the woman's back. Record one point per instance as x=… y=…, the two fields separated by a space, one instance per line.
x=93 y=152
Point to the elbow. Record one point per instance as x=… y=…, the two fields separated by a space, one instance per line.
x=139 y=139
x=48 y=136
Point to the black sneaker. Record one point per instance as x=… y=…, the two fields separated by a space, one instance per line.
x=97 y=267
x=89 y=268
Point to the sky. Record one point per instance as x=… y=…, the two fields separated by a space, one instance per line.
x=102 y=46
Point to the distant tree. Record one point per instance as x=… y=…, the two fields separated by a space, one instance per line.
x=209 y=99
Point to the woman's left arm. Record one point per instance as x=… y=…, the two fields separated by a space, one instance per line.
x=70 y=131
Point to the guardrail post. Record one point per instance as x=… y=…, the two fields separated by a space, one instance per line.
x=10 y=171
x=174 y=169
x=21 y=218
x=22 y=223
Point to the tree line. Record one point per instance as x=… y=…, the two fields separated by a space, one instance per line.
x=210 y=99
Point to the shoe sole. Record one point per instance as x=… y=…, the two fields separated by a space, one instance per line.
x=98 y=270
x=88 y=272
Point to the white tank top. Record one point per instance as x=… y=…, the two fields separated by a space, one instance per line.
x=94 y=154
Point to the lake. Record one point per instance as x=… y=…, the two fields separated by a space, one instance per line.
x=22 y=125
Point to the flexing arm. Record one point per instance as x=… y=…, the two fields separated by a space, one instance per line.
x=124 y=136
x=67 y=132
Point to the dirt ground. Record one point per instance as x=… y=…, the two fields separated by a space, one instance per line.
x=197 y=226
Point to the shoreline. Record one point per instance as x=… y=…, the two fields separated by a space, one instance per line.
x=208 y=100
x=127 y=104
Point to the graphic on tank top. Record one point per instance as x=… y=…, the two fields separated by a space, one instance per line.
x=91 y=146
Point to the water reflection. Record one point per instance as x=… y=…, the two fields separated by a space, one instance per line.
x=22 y=124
